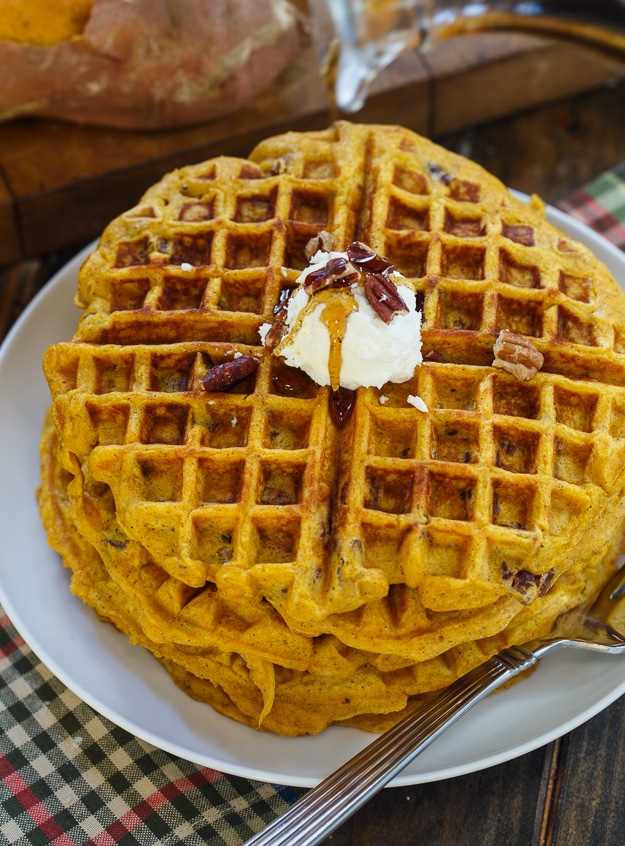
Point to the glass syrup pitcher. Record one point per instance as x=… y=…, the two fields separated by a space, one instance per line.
x=359 y=38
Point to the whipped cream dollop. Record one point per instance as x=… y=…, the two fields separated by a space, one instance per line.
x=337 y=335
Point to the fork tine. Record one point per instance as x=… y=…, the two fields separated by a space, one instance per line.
x=617 y=583
x=613 y=589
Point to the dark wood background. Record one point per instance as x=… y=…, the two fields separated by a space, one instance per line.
x=61 y=183
x=571 y=792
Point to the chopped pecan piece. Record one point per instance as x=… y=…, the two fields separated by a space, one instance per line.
x=337 y=273
x=528 y=585
x=228 y=373
x=364 y=256
x=322 y=241
x=383 y=296
x=278 y=328
x=517 y=355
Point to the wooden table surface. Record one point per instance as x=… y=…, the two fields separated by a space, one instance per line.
x=571 y=792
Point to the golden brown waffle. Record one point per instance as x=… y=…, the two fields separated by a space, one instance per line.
x=246 y=665
x=245 y=521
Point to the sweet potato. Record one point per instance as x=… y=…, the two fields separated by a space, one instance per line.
x=152 y=63
x=41 y=21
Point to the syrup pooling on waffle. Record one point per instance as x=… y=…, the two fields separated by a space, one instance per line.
x=249 y=538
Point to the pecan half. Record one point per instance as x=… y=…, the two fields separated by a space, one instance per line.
x=337 y=273
x=383 y=296
x=368 y=259
x=517 y=355
x=228 y=373
x=322 y=241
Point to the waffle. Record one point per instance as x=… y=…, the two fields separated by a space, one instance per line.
x=258 y=548
x=247 y=666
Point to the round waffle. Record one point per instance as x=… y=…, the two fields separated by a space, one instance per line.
x=242 y=660
x=293 y=572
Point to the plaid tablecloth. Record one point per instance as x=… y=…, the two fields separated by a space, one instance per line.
x=601 y=205
x=70 y=777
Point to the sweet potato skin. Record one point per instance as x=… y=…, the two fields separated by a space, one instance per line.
x=151 y=64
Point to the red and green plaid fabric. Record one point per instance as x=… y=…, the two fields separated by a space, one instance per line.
x=601 y=205
x=69 y=777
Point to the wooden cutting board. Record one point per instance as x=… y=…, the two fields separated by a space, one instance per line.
x=61 y=183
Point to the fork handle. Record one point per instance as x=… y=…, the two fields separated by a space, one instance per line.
x=337 y=797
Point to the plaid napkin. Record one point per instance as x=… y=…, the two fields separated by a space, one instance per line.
x=70 y=777
x=601 y=205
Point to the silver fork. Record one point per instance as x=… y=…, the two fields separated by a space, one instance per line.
x=598 y=626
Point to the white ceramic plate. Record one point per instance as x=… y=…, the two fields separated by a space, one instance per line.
x=125 y=684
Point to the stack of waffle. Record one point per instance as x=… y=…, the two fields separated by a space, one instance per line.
x=291 y=572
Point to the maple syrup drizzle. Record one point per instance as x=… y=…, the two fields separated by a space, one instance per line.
x=338 y=307
x=339 y=302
